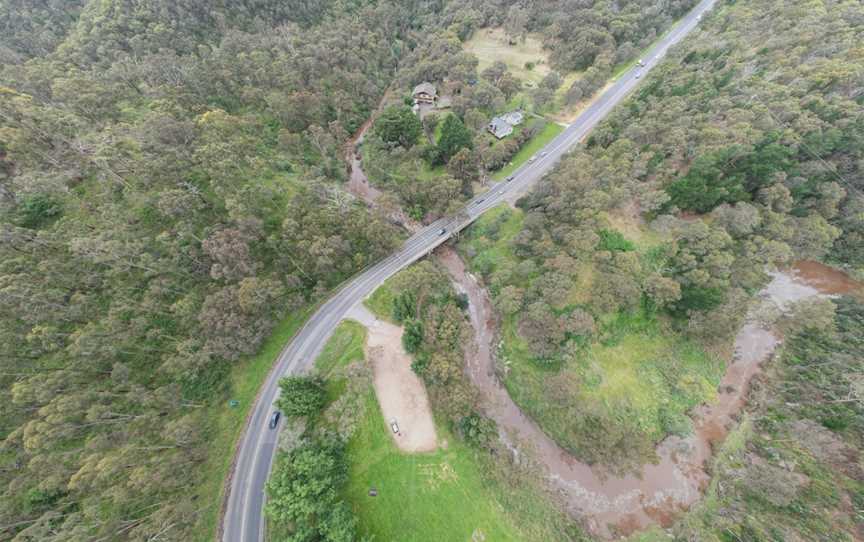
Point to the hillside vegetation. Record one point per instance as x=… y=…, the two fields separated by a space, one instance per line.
x=169 y=192
x=622 y=276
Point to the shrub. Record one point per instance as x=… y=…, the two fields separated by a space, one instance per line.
x=612 y=240
x=301 y=396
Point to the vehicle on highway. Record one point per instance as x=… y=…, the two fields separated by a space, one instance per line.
x=274 y=419
x=508 y=179
x=532 y=158
x=479 y=201
x=394 y=426
x=544 y=153
x=641 y=63
x=638 y=75
x=442 y=231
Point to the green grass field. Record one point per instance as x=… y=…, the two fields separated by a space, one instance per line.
x=244 y=382
x=437 y=496
x=530 y=148
x=645 y=378
x=381 y=302
x=344 y=347
x=452 y=494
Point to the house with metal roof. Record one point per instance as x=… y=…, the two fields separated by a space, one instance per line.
x=499 y=127
x=514 y=118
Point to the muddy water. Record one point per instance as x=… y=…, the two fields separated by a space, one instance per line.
x=615 y=505
x=825 y=279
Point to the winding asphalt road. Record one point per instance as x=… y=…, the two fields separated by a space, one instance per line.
x=243 y=519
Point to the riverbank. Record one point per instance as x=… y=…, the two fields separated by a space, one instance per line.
x=620 y=505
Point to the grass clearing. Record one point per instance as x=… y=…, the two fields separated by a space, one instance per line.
x=454 y=493
x=436 y=496
x=344 y=347
x=245 y=380
x=381 y=302
x=640 y=375
x=533 y=146
x=491 y=45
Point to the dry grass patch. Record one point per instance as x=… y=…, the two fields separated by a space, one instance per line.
x=491 y=45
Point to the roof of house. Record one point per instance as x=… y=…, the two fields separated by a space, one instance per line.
x=500 y=127
x=513 y=117
x=425 y=88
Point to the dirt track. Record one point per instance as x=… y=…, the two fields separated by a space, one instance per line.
x=400 y=392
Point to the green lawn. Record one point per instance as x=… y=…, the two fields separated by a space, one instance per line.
x=530 y=148
x=381 y=302
x=437 y=496
x=344 y=347
x=244 y=382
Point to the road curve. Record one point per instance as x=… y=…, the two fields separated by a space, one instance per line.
x=243 y=515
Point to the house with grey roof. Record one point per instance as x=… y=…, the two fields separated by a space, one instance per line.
x=513 y=118
x=502 y=126
x=499 y=127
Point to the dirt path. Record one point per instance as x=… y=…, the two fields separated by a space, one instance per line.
x=608 y=504
x=400 y=392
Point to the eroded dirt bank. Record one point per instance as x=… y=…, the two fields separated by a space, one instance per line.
x=612 y=505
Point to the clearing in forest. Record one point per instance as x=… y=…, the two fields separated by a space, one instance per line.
x=492 y=44
x=400 y=392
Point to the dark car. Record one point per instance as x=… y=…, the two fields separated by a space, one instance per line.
x=508 y=179
x=274 y=419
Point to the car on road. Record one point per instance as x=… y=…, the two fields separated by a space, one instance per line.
x=274 y=419
x=544 y=153
x=479 y=201
x=532 y=158
x=394 y=426
x=508 y=179
x=638 y=75
x=442 y=231
x=641 y=63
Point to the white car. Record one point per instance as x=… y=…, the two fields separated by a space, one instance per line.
x=544 y=153
x=532 y=158
x=394 y=426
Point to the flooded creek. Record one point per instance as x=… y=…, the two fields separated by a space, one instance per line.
x=614 y=505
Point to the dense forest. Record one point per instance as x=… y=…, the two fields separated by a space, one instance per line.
x=792 y=471
x=169 y=189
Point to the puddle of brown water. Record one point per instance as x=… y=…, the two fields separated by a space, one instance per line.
x=620 y=505
x=826 y=279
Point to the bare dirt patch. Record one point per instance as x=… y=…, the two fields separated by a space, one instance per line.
x=401 y=393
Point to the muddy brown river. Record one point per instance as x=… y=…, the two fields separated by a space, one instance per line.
x=615 y=505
